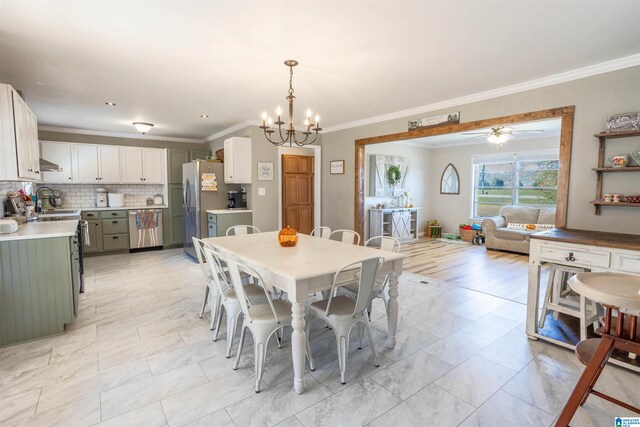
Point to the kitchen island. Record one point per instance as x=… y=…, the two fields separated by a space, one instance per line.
x=40 y=279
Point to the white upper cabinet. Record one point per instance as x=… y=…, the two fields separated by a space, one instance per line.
x=96 y=164
x=60 y=154
x=143 y=165
x=132 y=165
x=85 y=163
x=109 y=164
x=237 y=160
x=154 y=165
x=19 y=148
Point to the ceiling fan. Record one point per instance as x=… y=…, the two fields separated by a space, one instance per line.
x=500 y=134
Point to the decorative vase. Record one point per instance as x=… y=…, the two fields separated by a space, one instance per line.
x=288 y=237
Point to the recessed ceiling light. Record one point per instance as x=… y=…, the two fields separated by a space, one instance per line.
x=204 y=116
x=110 y=104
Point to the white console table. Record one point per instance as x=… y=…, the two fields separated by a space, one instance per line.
x=401 y=223
x=595 y=250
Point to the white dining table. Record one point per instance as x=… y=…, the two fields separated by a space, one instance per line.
x=303 y=269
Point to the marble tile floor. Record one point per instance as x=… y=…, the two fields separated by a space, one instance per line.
x=138 y=355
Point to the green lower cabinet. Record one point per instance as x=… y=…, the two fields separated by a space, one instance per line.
x=37 y=288
x=115 y=242
x=95 y=237
x=108 y=231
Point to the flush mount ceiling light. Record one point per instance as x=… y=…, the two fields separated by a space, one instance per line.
x=290 y=136
x=110 y=104
x=204 y=116
x=142 y=126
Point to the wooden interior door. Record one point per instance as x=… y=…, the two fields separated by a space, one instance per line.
x=297 y=192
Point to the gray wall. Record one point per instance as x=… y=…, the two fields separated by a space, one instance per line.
x=265 y=208
x=417 y=178
x=595 y=98
x=110 y=140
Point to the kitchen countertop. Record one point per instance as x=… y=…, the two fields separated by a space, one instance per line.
x=42 y=230
x=591 y=238
x=227 y=211
x=121 y=208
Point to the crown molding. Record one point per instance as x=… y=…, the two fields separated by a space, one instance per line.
x=231 y=129
x=578 y=73
x=118 y=134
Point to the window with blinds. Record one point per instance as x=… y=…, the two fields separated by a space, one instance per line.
x=521 y=179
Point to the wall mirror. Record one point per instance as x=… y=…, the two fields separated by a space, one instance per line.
x=450 y=181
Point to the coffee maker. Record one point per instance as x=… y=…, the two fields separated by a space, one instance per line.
x=237 y=199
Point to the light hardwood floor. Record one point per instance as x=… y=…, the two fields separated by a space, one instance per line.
x=501 y=274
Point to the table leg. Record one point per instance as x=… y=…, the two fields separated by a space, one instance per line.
x=298 y=345
x=533 y=296
x=392 y=311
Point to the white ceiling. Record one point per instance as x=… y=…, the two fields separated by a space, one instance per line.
x=550 y=129
x=168 y=62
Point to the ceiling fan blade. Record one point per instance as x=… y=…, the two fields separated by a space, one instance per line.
x=477 y=136
x=475 y=133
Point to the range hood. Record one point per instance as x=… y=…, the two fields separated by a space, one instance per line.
x=46 y=165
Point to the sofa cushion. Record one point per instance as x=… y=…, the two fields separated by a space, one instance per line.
x=547 y=216
x=510 y=234
x=520 y=214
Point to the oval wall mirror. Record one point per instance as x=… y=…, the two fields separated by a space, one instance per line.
x=450 y=182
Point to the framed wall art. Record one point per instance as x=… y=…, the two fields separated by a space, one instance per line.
x=265 y=171
x=337 y=167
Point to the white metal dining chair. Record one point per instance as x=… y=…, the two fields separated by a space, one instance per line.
x=384 y=243
x=238 y=230
x=227 y=297
x=211 y=295
x=345 y=236
x=344 y=313
x=322 y=232
x=263 y=320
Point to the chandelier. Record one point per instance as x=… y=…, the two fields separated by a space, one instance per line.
x=290 y=135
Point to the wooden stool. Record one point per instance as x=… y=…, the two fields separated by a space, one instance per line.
x=556 y=299
x=615 y=291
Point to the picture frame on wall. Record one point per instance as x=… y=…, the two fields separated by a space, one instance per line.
x=337 y=167
x=265 y=171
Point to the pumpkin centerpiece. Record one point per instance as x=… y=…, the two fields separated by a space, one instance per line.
x=288 y=237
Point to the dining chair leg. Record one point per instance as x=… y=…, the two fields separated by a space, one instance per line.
x=360 y=335
x=204 y=303
x=373 y=346
x=216 y=331
x=260 y=342
x=215 y=310
x=309 y=355
x=240 y=346
x=232 y=324
x=587 y=381
x=342 y=339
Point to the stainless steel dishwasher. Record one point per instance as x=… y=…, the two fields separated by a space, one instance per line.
x=145 y=229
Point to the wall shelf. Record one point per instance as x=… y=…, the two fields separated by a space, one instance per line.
x=603 y=203
x=600 y=170
x=625 y=169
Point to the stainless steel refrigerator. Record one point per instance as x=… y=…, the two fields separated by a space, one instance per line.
x=198 y=200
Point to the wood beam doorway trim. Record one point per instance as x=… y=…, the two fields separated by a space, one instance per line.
x=566 y=138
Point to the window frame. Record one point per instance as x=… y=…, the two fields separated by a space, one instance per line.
x=514 y=158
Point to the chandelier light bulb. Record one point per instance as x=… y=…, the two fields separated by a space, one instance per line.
x=309 y=113
x=269 y=121
x=278 y=111
x=306 y=122
x=317 y=120
x=264 y=116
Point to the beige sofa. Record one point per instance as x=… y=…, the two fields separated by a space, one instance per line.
x=498 y=236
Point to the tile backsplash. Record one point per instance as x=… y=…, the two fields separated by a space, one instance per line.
x=84 y=195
